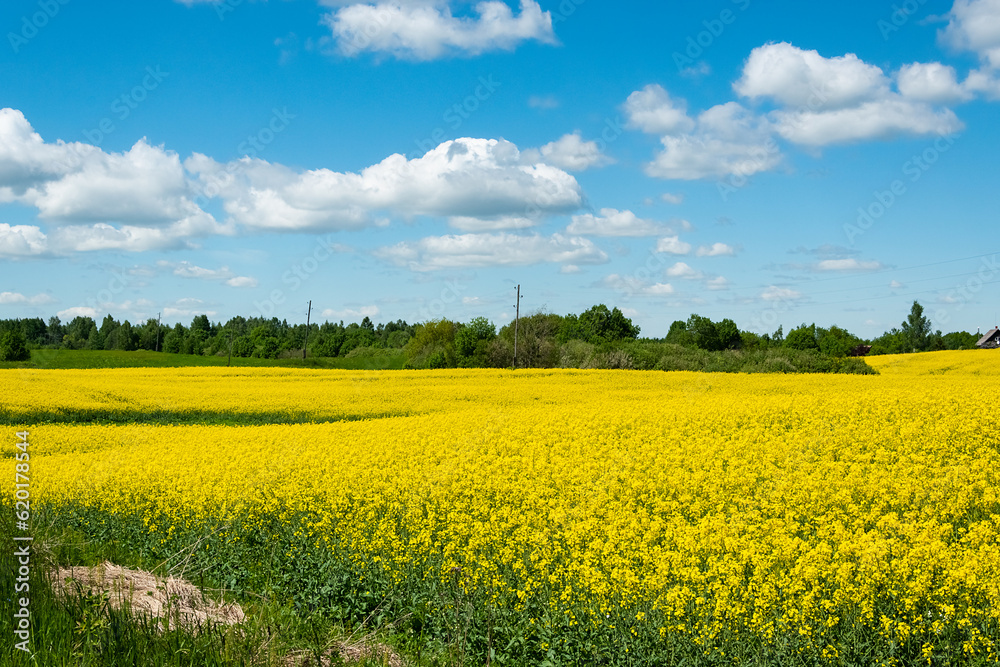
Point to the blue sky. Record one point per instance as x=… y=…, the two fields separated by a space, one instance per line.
x=775 y=163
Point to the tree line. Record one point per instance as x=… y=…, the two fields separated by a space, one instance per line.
x=597 y=337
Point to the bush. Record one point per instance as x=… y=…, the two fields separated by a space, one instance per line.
x=13 y=347
x=575 y=354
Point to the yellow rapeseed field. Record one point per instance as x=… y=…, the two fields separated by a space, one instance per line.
x=714 y=507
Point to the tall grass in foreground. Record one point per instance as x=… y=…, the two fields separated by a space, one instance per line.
x=85 y=628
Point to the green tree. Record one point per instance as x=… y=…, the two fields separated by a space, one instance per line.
x=173 y=341
x=600 y=324
x=536 y=342
x=729 y=335
x=35 y=331
x=95 y=341
x=679 y=334
x=127 y=338
x=703 y=333
x=802 y=338
x=56 y=331
x=13 y=346
x=893 y=341
x=570 y=329
x=472 y=342
x=917 y=329
x=959 y=340
x=836 y=342
x=432 y=345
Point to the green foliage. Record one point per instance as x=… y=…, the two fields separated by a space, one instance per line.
x=126 y=339
x=13 y=347
x=536 y=342
x=836 y=342
x=958 y=340
x=432 y=343
x=893 y=341
x=601 y=324
x=542 y=339
x=729 y=335
x=472 y=342
x=704 y=333
x=679 y=334
x=917 y=329
x=802 y=338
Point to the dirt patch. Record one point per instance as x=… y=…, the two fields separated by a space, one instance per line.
x=174 y=599
x=350 y=652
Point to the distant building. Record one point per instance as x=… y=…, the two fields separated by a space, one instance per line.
x=861 y=350
x=990 y=340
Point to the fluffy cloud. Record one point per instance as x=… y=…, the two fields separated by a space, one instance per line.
x=632 y=286
x=797 y=78
x=683 y=270
x=716 y=250
x=878 y=119
x=673 y=245
x=146 y=198
x=78 y=311
x=983 y=81
x=22 y=240
x=188 y=270
x=654 y=112
x=727 y=140
x=145 y=190
x=74 y=183
x=843 y=99
x=724 y=140
x=188 y=307
x=774 y=293
x=7 y=298
x=974 y=25
x=571 y=153
x=428 y=30
x=483 y=250
x=464 y=179
x=612 y=222
x=930 y=82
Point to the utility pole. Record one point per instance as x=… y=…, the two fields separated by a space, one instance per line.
x=305 y=346
x=157 y=332
x=517 y=317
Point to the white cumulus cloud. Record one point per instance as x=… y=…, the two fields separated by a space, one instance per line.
x=612 y=222
x=842 y=99
x=654 y=112
x=974 y=25
x=465 y=179
x=570 y=152
x=485 y=250
x=429 y=30
x=774 y=293
x=673 y=245
x=716 y=250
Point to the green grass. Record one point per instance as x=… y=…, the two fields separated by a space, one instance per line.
x=81 y=628
x=84 y=359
